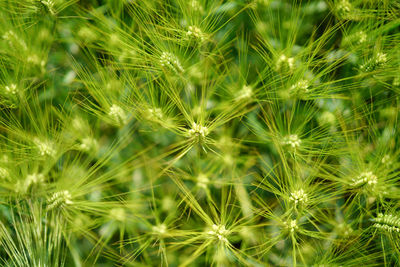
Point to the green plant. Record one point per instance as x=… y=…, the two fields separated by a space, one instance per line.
x=199 y=133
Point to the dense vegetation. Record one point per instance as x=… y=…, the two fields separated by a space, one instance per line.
x=199 y=133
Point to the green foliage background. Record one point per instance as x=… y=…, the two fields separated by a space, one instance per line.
x=199 y=133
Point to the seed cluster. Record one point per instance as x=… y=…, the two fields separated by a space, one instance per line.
x=118 y=114
x=198 y=130
x=291 y=225
x=219 y=231
x=365 y=178
x=387 y=222
x=59 y=199
x=292 y=140
x=171 y=61
x=298 y=196
x=45 y=147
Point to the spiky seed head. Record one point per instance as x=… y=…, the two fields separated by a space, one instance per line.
x=344 y=229
x=362 y=37
x=298 y=197
x=45 y=147
x=50 y=6
x=374 y=63
x=299 y=89
x=198 y=130
x=202 y=181
x=387 y=222
x=30 y=180
x=78 y=124
x=155 y=114
x=292 y=140
x=34 y=178
x=11 y=89
x=36 y=60
x=381 y=58
x=14 y=40
x=327 y=118
x=169 y=60
x=220 y=232
x=160 y=229
x=194 y=31
x=245 y=93
x=291 y=225
x=118 y=214
x=88 y=144
x=284 y=63
x=196 y=6
x=118 y=114
x=59 y=199
x=365 y=178
x=387 y=160
x=168 y=204
x=87 y=35
x=343 y=6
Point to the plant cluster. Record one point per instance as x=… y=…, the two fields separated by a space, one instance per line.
x=199 y=133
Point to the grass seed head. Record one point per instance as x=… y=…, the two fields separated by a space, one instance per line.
x=59 y=199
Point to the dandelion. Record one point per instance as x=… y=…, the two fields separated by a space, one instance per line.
x=171 y=61
x=118 y=114
x=59 y=199
x=219 y=232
